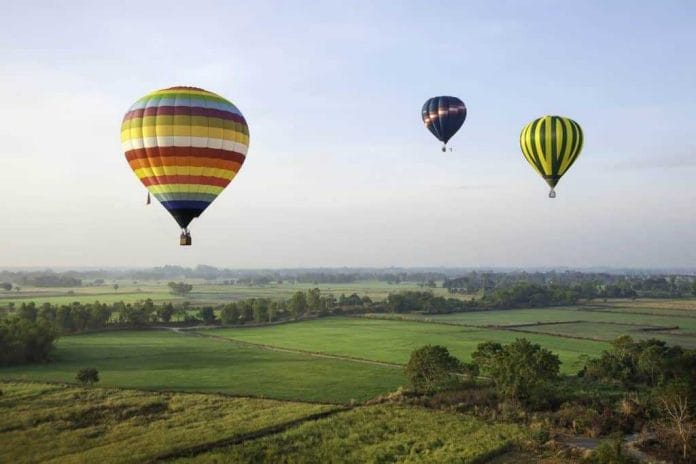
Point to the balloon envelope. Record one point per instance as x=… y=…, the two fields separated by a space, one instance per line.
x=551 y=144
x=185 y=144
x=443 y=116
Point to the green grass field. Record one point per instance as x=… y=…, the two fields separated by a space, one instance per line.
x=601 y=321
x=311 y=361
x=55 y=423
x=377 y=434
x=166 y=360
x=554 y=314
x=58 y=423
x=393 y=341
x=236 y=360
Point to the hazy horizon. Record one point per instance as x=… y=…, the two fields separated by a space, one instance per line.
x=341 y=171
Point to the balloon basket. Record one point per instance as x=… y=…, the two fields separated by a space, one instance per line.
x=185 y=239
x=552 y=193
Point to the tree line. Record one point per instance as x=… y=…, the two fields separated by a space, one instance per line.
x=79 y=317
x=586 y=286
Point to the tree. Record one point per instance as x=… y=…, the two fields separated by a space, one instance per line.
x=675 y=408
x=207 y=314
x=180 y=288
x=116 y=286
x=6 y=286
x=87 y=376
x=432 y=368
x=650 y=363
x=230 y=314
x=165 y=312
x=314 y=300
x=521 y=370
x=260 y=308
x=28 y=311
x=24 y=341
x=272 y=311
x=297 y=304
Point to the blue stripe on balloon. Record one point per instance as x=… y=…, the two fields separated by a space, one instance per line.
x=185 y=204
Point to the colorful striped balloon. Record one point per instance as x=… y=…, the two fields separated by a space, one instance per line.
x=551 y=144
x=185 y=144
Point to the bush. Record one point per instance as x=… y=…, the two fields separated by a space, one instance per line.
x=87 y=376
x=576 y=418
x=432 y=368
x=610 y=452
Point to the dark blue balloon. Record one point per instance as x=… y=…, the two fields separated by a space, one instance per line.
x=443 y=116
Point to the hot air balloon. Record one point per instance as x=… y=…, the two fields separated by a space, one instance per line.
x=185 y=144
x=443 y=116
x=551 y=144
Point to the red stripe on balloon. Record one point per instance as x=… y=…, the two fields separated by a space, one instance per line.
x=196 y=152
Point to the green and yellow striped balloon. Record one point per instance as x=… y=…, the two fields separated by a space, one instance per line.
x=551 y=144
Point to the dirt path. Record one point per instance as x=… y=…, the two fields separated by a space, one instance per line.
x=630 y=445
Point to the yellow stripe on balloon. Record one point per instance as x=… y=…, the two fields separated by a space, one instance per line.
x=184 y=171
x=527 y=147
x=182 y=130
x=536 y=140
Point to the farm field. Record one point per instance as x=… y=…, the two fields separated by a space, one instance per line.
x=393 y=341
x=512 y=317
x=601 y=322
x=376 y=434
x=158 y=360
x=203 y=292
x=606 y=332
x=57 y=423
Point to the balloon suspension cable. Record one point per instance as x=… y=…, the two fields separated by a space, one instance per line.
x=552 y=193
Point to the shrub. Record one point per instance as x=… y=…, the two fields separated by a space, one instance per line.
x=432 y=368
x=610 y=452
x=87 y=376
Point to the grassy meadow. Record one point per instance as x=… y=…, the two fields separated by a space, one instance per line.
x=56 y=423
x=161 y=360
x=376 y=434
x=393 y=341
x=226 y=394
x=59 y=423
x=675 y=323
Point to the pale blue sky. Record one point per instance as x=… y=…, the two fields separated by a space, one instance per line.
x=340 y=169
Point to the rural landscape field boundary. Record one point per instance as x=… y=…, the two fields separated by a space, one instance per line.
x=238 y=439
x=518 y=328
x=264 y=346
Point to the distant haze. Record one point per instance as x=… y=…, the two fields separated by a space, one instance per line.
x=341 y=171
